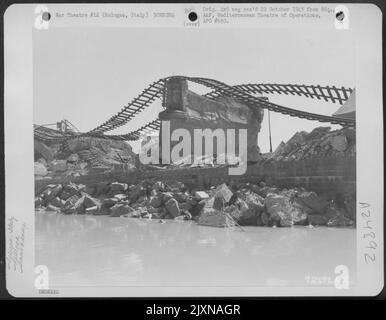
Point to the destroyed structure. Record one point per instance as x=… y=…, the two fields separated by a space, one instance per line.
x=307 y=180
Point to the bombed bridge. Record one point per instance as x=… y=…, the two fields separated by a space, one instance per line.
x=228 y=106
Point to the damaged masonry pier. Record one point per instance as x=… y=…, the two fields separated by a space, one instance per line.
x=307 y=180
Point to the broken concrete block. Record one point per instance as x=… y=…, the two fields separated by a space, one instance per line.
x=40 y=169
x=120 y=187
x=339 y=143
x=337 y=218
x=65 y=195
x=120 y=196
x=157 y=201
x=57 y=202
x=57 y=190
x=109 y=202
x=90 y=202
x=224 y=192
x=71 y=200
x=180 y=197
x=73 y=157
x=102 y=188
x=278 y=209
x=91 y=210
x=312 y=201
x=72 y=189
x=166 y=196
x=215 y=218
x=50 y=207
x=79 y=205
x=159 y=186
x=58 y=165
x=207 y=203
x=185 y=206
x=91 y=189
x=317 y=220
x=201 y=195
x=47 y=196
x=219 y=203
x=38 y=202
x=247 y=215
x=120 y=209
x=172 y=207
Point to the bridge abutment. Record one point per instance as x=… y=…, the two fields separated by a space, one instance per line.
x=194 y=113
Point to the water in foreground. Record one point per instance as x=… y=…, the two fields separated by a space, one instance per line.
x=85 y=250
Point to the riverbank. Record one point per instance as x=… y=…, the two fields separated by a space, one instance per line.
x=225 y=205
x=87 y=250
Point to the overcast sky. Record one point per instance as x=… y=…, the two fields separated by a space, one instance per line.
x=86 y=75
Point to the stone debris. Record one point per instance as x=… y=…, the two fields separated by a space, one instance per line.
x=242 y=204
x=223 y=192
x=201 y=195
x=121 y=187
x=215 y=218
x=81 y=157
x=58 y=165
x=172 y=207
x=40 y=169
x=320 y=142
x=120 y=196
x=120 y=210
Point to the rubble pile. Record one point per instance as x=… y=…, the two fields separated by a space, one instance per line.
x=320 y=142
x=82 y=156
x=239 y=204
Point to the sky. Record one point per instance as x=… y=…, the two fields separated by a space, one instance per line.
x=86 y=75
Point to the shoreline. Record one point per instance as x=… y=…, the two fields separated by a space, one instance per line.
x=225 y=205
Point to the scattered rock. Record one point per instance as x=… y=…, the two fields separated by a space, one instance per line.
x=72 y=189
x=173 y=207
x=90 y=201
x=201 y=195
x=224 y=192
x=109 y=202
x=58 y=165
x=40 y=169
x=57 y=202
x=219 y=203
x=157 y=201
x=215 y=218
x=317 y=220
x=337 y=218
x=220 y=206
x=92 y=210
x=118 y=187
x=51 y=207
x=120 y=197
x=73 y=157
x=38 y=202
x=180 y=197
x=120 y=210
x=102 y=188
x=321 y=142
x=282 y=212
x=339 y=143
x=310 y=200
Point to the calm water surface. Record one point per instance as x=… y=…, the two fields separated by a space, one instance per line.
x=103 y=251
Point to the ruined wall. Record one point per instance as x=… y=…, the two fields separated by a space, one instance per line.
x=188 y=110
x=323 y=175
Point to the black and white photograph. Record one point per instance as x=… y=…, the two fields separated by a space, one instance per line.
x=203 y=157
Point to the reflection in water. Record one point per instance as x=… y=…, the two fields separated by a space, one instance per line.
x=84 y=250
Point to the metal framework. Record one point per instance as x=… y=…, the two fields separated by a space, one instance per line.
x=243 y=92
